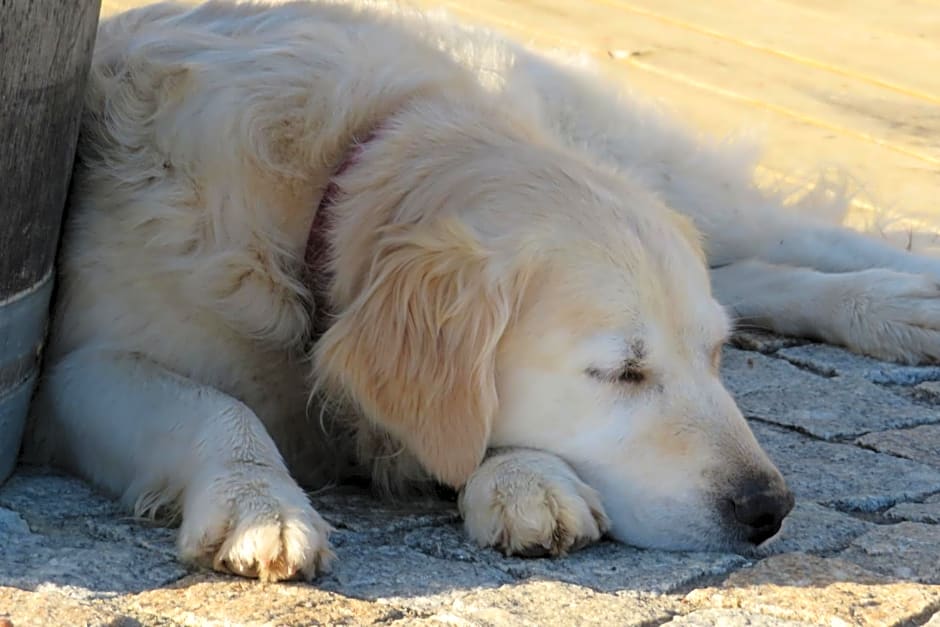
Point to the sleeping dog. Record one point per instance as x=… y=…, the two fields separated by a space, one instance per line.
x=310 y=240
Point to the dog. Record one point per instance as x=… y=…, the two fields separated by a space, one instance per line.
x=314 y=241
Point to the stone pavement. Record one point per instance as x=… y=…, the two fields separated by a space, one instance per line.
x=858 y=440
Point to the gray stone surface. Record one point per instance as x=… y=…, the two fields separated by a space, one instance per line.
x=607 y=566
x=372 y=571
x=352 y=510
x=775 y=391
x=845 y=476
x=928 y=391
x=12 y=524
x=813 y=528
x=820 y=591
x=67 y=537
x=926 y=512
x=733 y=618
x=544 y=603
x=918 y=444
x=70 y=556
x=746 y=371
x=908 y=551
x=833 y=361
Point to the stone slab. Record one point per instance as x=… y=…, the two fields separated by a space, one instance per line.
x=833 y=361
x=370 y=570
x=926 y=512
x=606 y=567
x=64 y=535
x=40 y=494
x=928 y=391
x=355 y=510
x=11 y=523
x=921 y=444
x=732 y=618
x=46 y=608
x=747 y=371
x=812 y=528
x=210 y=599
x=845 y=476
x=820 y=591
x=907 y=551
x=543 y=604
x=776 y=391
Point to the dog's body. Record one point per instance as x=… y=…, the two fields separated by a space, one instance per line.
x=505 y=271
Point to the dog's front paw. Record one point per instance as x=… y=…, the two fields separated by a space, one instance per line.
x=254 y=523
x=889 y=315
x=531 y=503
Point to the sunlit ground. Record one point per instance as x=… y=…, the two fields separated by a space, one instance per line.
x=851 y=88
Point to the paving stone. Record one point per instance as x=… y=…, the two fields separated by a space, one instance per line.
x=732 y=618
x=812 y=528
x=76 y=540
x=929 y=391
x=775 y=391
x=820 y=591
x=83 y=561
x=45 y=608
x=907 y=550
x=359 y=511
x=607 y=566
x=921 y=444
x=832 y=361
x=210 y=599
x=543 y=603
x=845 y=476
x=11 y=523
x=834 y=409
x=367 y=569
x=747 y=371
x=40 y=494
x=926 y=512
x=92 y=568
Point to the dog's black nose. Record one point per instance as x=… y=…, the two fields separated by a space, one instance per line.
x=762 y=510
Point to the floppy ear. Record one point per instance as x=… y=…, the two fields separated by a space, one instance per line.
x=417 y=348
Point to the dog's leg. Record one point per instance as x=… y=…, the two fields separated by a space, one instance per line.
x=162 y=441
x=883 y=313
x=829 y=248
x=529 y=502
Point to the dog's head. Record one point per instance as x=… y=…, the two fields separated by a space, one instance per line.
x=560 y=308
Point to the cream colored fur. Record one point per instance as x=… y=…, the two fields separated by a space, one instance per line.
x=515 y=264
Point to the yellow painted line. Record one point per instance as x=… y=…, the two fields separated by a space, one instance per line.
x=701 y=85
x=781 y=110
x=798 y=58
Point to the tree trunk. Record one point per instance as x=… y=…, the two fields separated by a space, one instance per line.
x=45 y=51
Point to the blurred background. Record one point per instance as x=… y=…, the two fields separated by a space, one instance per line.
x=846 y=88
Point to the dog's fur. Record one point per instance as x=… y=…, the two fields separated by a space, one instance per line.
x=516 y=301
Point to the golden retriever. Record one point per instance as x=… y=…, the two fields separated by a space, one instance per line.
x=312 y=239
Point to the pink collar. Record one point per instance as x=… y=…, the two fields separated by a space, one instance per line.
x=318 y=250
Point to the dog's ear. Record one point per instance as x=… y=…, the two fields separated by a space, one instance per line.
x=417 y=348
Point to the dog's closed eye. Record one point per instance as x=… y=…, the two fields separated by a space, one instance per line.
x=630 y=373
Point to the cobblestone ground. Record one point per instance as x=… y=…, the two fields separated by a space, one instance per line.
x=858 y=440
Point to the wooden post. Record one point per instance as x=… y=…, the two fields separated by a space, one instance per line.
x=45 y=51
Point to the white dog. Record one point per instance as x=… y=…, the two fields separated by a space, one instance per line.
x=325 y=237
